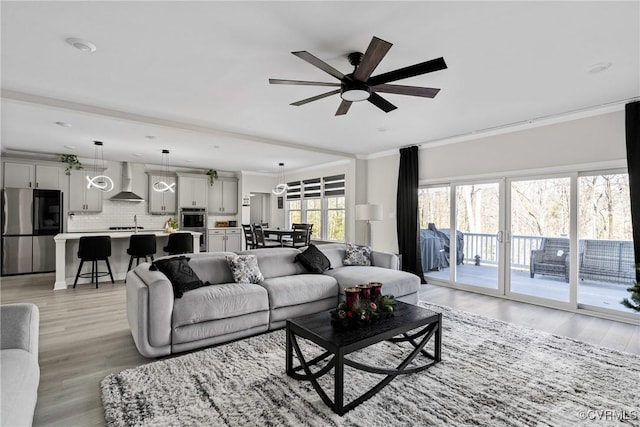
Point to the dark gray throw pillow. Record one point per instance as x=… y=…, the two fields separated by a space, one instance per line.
x=179 y=273
x=313 y=259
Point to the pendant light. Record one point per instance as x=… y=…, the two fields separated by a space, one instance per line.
x=162 y=186
x=99 y=182
x=281 y=183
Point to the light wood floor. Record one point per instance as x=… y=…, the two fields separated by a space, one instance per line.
x=84 y=336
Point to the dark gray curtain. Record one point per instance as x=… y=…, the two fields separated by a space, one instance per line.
x=632 y=128
x=407 y=212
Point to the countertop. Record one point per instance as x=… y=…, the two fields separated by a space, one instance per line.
x=224 y=228
x=115 y=234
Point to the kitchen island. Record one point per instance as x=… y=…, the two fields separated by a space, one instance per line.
x=67 y=261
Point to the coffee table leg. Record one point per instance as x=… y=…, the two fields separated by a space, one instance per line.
x=339 y=383
x=289 y=356
x=438 y=341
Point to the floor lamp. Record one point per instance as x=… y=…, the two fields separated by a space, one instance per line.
x=368 y=213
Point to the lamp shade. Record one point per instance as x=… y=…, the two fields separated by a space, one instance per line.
x=368 y=212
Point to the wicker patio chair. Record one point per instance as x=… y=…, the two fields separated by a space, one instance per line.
x=552 y=258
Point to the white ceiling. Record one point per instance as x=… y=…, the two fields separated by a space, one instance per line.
x=195 y=75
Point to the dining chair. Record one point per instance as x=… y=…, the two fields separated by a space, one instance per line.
x=249 y=236
x=308 y=227
x=261 y=242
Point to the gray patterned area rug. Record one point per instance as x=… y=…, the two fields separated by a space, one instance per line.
x=492 y=374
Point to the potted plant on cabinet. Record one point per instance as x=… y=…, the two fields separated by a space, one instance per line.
x=72 y=162
x=213 y=175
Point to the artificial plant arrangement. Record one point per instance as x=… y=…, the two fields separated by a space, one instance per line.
x=213 y=175
x=364 y=312
x=72 y=162
x=171 y=226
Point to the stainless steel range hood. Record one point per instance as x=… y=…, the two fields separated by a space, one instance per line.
x=126 y=195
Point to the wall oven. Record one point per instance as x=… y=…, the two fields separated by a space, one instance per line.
x=195 y=219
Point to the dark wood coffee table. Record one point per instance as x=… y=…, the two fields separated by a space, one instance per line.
x=411 y=323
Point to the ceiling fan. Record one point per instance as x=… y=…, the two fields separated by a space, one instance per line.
x=359 y=85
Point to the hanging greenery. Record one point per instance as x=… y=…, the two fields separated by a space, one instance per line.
x=72 y=162
x=213 y=175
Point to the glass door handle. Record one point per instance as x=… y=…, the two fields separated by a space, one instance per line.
x=500 y=236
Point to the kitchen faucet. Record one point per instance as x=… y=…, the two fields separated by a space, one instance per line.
x=135 y=224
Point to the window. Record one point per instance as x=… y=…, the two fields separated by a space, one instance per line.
x=321 y=202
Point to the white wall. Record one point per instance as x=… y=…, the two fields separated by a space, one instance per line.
x=598 y=140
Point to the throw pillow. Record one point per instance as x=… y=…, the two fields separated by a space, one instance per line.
x=245 y=268
x=179 y=273
x=357 y=255
x=313 y=259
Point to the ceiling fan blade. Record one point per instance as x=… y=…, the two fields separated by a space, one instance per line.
x=343 y=108
x=306 y=56
x=315 y=98
x=427 y=92
x=381 y=103
x=300 y=82
x=377 y=49
x=410 y=71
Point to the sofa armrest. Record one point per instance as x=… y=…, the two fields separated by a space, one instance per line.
x=149 y=306
x=20 y=324
x=385 y=260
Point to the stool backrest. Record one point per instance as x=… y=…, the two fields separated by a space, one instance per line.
x=180 y=243
x=94 y=247
x=142 y=244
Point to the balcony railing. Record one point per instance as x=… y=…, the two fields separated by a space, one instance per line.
x=485 y=245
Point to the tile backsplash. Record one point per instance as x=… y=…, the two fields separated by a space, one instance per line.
x=117 y=214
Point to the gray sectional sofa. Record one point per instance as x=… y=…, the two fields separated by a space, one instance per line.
x=20 y=376
x=161 y=324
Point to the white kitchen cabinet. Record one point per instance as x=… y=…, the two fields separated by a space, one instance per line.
x=25 y=175
x=162 y=202
x=192 y=191
x=221 y=240
x=81 y=198
x=223 y=197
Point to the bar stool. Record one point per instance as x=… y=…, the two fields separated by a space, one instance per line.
x=179 y=243
x=141 y=246
x=94 y=249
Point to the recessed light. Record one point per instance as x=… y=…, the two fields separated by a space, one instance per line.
x=82 y=45
x=216 y=146
x=137 y=154
x=150 y=137
x=70 y=147
x=599 y=67
x=64 y=124
x=189 y=161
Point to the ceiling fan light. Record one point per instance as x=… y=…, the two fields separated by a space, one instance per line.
x=355 y=95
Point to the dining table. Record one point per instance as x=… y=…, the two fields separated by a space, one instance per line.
x=280 y=233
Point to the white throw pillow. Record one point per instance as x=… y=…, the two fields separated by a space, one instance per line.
x=245 y=268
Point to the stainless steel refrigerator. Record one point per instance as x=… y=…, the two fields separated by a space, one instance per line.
x=30 y=220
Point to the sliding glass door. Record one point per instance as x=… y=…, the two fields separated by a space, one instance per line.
x=606 y=261
x=563 y=240
x=479 y=237
x=539 y=239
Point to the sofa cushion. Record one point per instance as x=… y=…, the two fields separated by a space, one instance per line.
x=20 y=377
x=179 y=273
x=299 y=289
x=357 y=255
x=218 y=302
x=276 y=262
x=212 y=267
x=394 y=282
x=313 y=260
x=245 y=268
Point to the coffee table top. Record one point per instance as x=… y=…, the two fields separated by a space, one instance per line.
x=318 y=327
